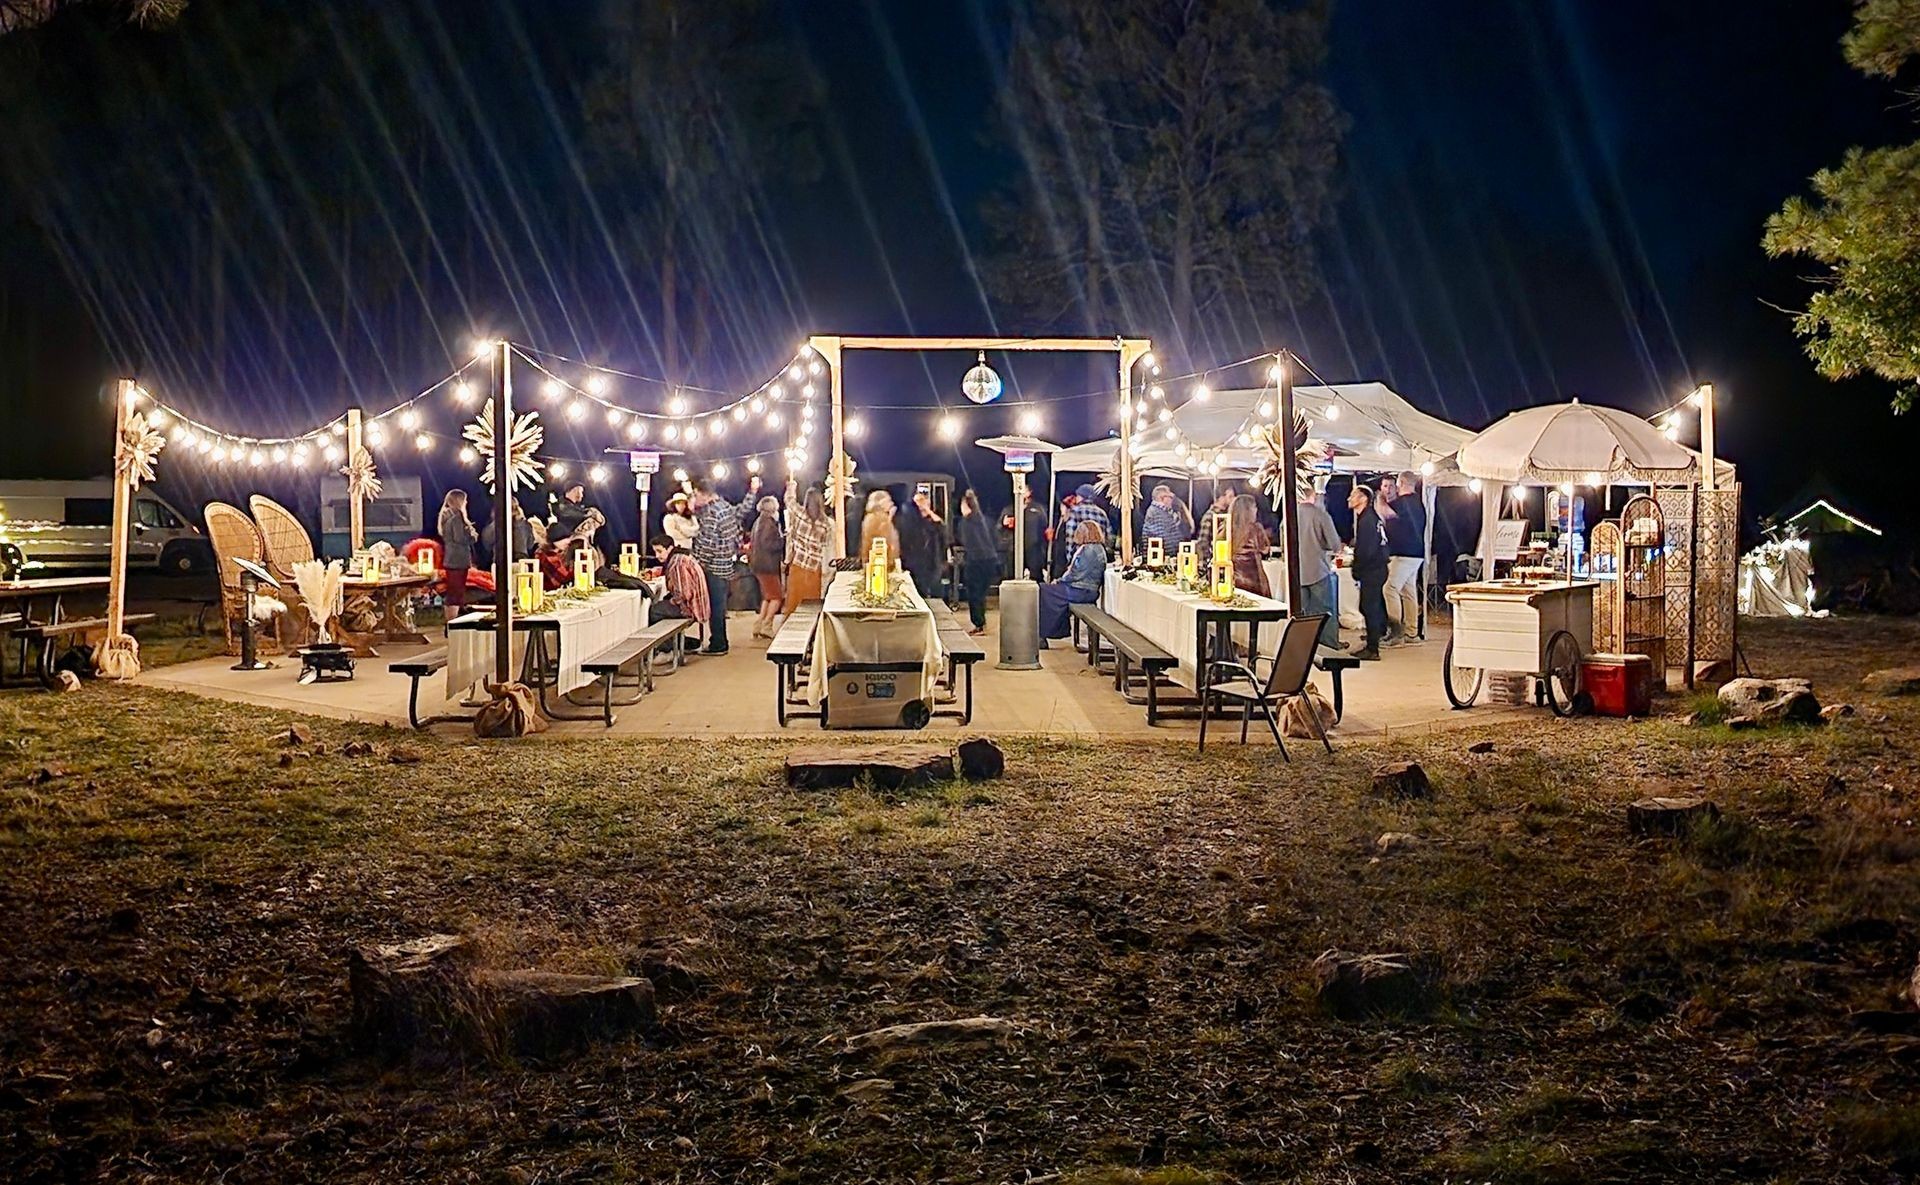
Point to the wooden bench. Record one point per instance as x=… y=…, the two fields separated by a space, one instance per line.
x=1131 y=650
x=636 y=651
x=47 y=636
x=788 y=651
x=1336 y=665
x=419 y=667
x=962 y=651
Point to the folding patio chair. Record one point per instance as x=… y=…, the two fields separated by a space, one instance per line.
x=1286 y=680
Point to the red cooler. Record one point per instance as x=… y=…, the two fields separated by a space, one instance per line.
x=1620 y=684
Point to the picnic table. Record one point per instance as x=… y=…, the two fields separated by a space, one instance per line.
x=1189 y=626
x=850 y=635
x=392 y=595
x=549 y=647
x=39 y=601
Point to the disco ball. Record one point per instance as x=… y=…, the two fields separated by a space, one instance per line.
x=981 y=385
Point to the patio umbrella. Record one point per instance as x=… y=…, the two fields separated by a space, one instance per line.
x=1571 y=442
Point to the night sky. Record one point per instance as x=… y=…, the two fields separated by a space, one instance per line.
x=1539 y=199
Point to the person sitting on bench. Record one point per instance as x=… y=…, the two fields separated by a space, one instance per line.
x=686 y=584
x=1080 y=585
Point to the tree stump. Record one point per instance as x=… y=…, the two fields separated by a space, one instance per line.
x=889 y=767
x=980 y=759
x=1402 y=779
x=537 y=1013
x=1668 y=816
x=1353 y=987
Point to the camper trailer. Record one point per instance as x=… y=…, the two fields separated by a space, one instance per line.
x=63 y=527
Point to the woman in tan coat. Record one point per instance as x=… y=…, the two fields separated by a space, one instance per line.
x=879 y=525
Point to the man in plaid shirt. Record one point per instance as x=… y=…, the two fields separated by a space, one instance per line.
x=717 y=549
x=1081 y=508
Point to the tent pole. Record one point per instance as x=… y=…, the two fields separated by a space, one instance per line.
x=1053 y=500
x=1289 y=492
x=356 y=512
x=1706 y=437
x=1427 y=499
x=123 y=397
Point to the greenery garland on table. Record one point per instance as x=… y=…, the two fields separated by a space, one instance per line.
x=897 y=597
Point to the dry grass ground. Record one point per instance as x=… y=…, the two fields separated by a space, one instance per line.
x=177 y=907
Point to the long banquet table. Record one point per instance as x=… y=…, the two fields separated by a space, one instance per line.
x=575 y=632
x=1187 y=625
x=850 y=634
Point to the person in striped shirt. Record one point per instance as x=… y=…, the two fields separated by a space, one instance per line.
x=716 y=548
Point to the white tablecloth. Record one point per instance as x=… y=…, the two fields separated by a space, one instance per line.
x=1350 y=618
x=585 y=630
x=849 y=633
x=1170 y=619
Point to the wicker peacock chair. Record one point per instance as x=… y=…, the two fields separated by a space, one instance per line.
x=286 y=543
x=235 y=537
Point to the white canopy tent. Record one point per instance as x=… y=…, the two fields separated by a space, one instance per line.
x=1360 y=421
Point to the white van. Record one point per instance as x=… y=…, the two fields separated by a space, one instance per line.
x=67 y=526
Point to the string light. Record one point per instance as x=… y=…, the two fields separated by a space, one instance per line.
x=670 y=433
x=677 y=405
x=1156 y=392
x=1519 y=493
x=576 y=409
x=1333 y=412
x=759 y=405
x=409 y=419
x=463 y=391
x=1165 y=414
x=596 y=384
x=856 y=428
x=740 y=414
x=637 y=431
x=813 y=368
x=795 y=372
x=279 y=456
x=1475 y=485
x=423 y=442
x=1030 y=422
x=376 y=435
x=1386 y=448
x=256 y=458
x=680 y=475
x=1147 y=361
x=553 y=388
x=949 y=427
x=719 y=470
x=1202 y=393
x=332 y=454
x=1173 y=434
x=339 y=428
x=615 y=416
x=467 y=455
x=773 y=419
x=482 y=346
x=1426 y=469
x=691 y=432
x=597 y=474
x=753 y=464
x=716 y=427
x=1266 y=411
x=558 y=470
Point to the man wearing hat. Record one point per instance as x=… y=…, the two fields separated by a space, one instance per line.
x=679 y=523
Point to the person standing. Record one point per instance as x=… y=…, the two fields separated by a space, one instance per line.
x=1167 y=519
x=923 y=545
x=458 y=536
x=679 y=524
x=1249 y=547
x=568 y=514
x=979 y=561
x=1404 y=517
x=878 y=524
x=716 y=548
x=1369 y=568
x=1212 y=522
x=1033 y=541
x=767 y=558
x=808 y=528
x=1319 y=585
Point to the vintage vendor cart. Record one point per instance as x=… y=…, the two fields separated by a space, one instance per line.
x=1542 y=628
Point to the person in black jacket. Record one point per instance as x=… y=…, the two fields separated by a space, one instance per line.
x=1369 y=568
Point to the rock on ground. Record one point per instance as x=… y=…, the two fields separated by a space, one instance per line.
x=890 y=767
x=1833 y=712
x=1893 y=681
x=1771 y=701
x=1668 y=815
x=1480 y=747
x=980 y=759
x=1395 y=841
x=297 y=734
x=1402 y=779
x=972 y=1030
x=1353 y=987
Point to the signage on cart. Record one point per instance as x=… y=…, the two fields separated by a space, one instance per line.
x=1508 y=535
x=644 y=461
x=1019 y=460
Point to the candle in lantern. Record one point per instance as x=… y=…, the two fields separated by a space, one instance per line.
x=583 y=569
x=1156 y=552
x=877 y=570
x=526 y=585
x=630 y=559
x=1222 y=569
x=423 y=562
x=1189 y=572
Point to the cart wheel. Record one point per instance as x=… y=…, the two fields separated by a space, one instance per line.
x=1562 y=674
x=916 y=714
x=1462 y=683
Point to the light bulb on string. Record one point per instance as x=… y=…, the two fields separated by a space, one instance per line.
x=1246 y=440
x=1173 y=434
x=423 y=442
x=1475 y=486
x=1030 y=422
x=758 y=406
x=1386 y=448
x=557 y=470
x=279 y=456
x=300 y=454
x=1519 y=493
x=677 y=406
x=637 y=431
x=813 y=368
x=796 y=372
x=1164 y=415
x=856 y=428
x=680 y=475
x=739 y=413
x=256 y=458
x=409 y=419
x=1202 y=393
x=1147 y=360
x=1274 y=373
x=719 y=470
x=375 y=435
x=1426 y=469
x=467 y=455
x=717 y=427
x=615 y=416
x=806 y=392
x=1266 y=411
x=178 y=435
x=691 y=432
x=1156 y=392
x=220 y=452
x=156 y=419
x=338 y=428
x=949 y=427
x=1333 y=412
x=596 y=384
x=482 y=346
x=597 y=474
x=806 y=412
x=553 y=388
x=753 y=464
x=776 y=393
x=670 y=433
x=773 y=419
x=331 y=453
x=463 y=391
x=576 y=409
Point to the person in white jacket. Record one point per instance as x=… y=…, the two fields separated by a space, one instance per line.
x=679 y=524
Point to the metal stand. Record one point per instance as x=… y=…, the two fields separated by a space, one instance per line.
x=249 y=655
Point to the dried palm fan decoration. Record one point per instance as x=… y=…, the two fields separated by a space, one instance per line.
x=1123 y=494
x=363 y=480
x=1305 y=455
x=523 y=441
x=135 y=450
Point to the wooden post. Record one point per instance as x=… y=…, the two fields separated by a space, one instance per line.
x=1131 y=351
x=123 y=396
x=502 y=406
x=1289 y=491
x=356 y=513
x=828 y=347
x=1706 y=437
